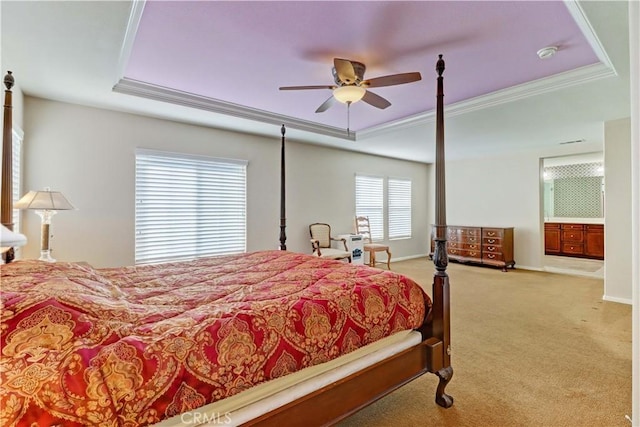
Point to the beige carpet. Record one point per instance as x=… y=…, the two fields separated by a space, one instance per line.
x=529 y=349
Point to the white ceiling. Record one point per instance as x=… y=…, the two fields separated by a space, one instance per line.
x=78 y=51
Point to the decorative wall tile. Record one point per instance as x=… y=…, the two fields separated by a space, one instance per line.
x=574 y=171
x=578 y=197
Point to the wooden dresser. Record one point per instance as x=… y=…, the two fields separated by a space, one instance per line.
x=575 y=240
x=481 y=245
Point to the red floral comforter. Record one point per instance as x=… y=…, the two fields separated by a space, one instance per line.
x=135 y=345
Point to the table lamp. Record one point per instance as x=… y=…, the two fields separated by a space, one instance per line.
x=45 y=203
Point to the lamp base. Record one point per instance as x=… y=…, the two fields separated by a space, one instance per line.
x=45 y=255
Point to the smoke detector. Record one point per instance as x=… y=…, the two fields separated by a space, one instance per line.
x=547 y=52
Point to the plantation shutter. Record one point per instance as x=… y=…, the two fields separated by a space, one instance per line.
x=370 y=202
x=399 y=208
x=188 y=207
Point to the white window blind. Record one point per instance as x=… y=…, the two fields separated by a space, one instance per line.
x=188 y=207
x=370 y=202
x=399 y=194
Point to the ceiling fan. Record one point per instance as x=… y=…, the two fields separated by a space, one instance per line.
x=351 y=87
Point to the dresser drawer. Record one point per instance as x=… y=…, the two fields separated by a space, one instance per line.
x=464 y=246
x=472 y=246
x=496 y=241
x=473 y=253
x=595 y=227
x=573 y=248
x=492 y=249
x=493 y=256
x=464 y=238
x=571 y=236
x=454 y=251
x=493 y=232
x=572 y=226
x=466 y=253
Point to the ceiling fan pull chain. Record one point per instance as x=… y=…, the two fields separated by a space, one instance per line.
x=348 y=118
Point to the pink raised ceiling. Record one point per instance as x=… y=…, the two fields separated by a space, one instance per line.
x=241 y=52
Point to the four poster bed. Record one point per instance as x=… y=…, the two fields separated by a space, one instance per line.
x=263 y=338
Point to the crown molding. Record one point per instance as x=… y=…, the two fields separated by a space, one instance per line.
x=559 y=81
x=589 y=33
x=537 y=87
x=172 y=96
x=137 y=7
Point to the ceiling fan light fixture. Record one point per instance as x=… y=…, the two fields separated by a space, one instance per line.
x=349 y=94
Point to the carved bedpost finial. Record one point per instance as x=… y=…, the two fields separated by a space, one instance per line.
x=440 y=65
x=283 y=130
x=8 y=80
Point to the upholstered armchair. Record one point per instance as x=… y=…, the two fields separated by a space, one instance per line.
x=321 y=242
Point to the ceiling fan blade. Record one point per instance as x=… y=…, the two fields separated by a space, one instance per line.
x=306 y=87
x=375 y=100
x=326 y=104
x=393 y=79
x=344 y=70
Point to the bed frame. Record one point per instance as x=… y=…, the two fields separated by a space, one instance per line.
x=346 y=396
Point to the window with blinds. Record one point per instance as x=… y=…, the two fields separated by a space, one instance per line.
x=399 y=195
x=188 y=207
x=370 y=202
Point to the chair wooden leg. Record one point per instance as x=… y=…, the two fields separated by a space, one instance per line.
x=372 y=259
x=388 y=259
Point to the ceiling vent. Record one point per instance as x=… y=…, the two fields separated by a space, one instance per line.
x=572 y=142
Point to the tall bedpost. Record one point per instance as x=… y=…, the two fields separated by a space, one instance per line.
x=283 y=217
x=6 y=190
x=441 y=316
x=7 y=155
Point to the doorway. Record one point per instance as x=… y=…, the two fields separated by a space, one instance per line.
x=573 y=214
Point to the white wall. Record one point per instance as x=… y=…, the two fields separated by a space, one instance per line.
x=617 y=211
x=634 y=53
x=89 y=155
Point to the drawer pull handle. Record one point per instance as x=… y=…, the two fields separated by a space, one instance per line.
x=491 y=233
x=491 y=248
x=491 y=256
x=492 y=240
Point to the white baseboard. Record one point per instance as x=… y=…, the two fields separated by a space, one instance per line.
x=405 y=258
x=616 y=299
